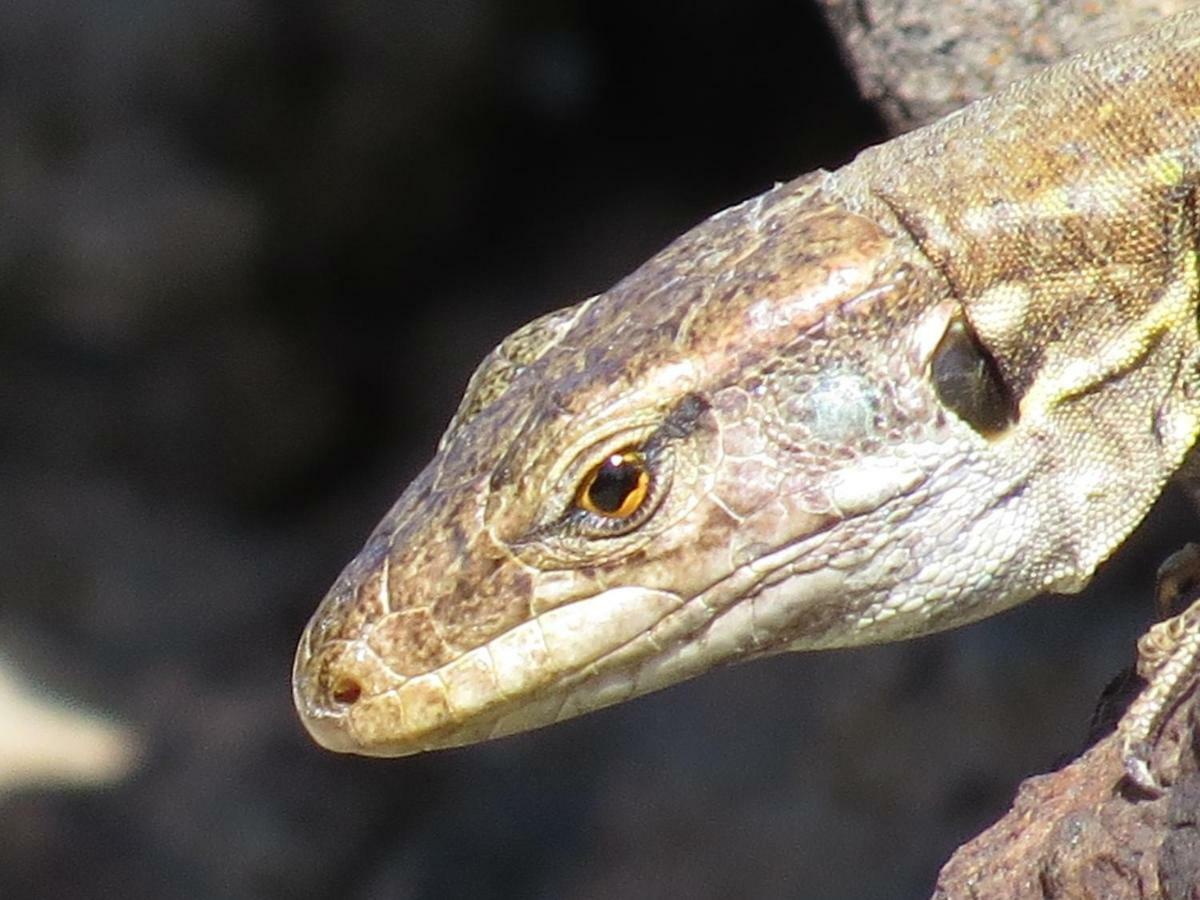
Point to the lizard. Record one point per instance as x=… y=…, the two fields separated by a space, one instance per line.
x=869 y=404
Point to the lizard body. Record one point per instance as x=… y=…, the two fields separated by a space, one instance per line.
x=863 y=406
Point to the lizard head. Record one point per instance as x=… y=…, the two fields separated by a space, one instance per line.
x=640 y=487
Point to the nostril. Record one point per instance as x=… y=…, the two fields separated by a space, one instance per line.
x=346 y=691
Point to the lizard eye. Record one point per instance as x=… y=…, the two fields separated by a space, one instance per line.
x=968 y=382
x=617 y=487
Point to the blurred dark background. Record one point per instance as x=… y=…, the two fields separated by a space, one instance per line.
x=250 y=254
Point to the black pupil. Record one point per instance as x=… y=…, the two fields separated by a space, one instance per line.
x=615 y=481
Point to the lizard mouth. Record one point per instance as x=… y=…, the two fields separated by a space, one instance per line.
x=569 y=660
x=350 y=701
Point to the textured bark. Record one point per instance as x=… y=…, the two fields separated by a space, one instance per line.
x=918 y=60
x=1086 y=832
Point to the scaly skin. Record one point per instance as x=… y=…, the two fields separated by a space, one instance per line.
x=809 y=485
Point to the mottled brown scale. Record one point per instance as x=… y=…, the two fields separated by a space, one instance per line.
x=808 y=485
x=410 y=642
x=516 y=353
x=350 y=608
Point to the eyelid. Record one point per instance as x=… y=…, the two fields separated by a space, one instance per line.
x=656 y=435
x=649 y=429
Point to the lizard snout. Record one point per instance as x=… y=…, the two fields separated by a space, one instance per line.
x=326 y=688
